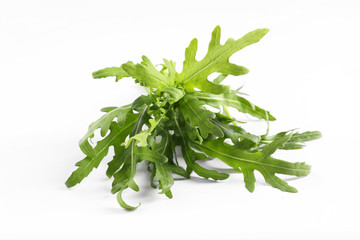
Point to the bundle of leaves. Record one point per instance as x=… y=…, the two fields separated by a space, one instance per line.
x=174 y=114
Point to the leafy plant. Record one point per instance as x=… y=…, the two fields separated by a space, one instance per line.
x=174 y=114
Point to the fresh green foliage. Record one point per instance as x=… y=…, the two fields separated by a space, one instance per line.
x=175 y=115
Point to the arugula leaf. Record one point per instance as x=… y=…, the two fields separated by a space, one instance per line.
x=190 y=156
x=164 y=146
x=123 y=204
x=130 y=159
x=230 y=99
x=103 y=123
x=173 y=95
x=297 y=141
x=197 y=115
x=162 y=174
x=261 y=161
x=195 y=73
x=85 y=166
x=117 y=72
x=147 y=73
x=140 y=102
x=238 y=135
x=174 y=115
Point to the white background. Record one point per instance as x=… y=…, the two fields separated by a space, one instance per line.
x=305 y=71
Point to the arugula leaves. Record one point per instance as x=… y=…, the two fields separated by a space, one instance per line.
x=175 y=114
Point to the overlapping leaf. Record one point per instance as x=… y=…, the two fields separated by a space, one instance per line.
x=115 y=138
x=103 y=123
x=198 y=116
x=297 y=140
x=190 y=156
x=248 y=161
x=231 y=99
x=147 y=73
x=238 y=135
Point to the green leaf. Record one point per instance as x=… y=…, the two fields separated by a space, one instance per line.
x=124 y=177
x=170 y=67
x=147 y=154
x=140 y=153
x=173 y=95
x=297 y=140
x=85 y=166
x=305 y=136
x=143 y=135
x=123 y=204
x=230 y=99
x=151 y=169
x=238 y=135
x=195 y=73
x=177 y=170
x=261 y=161
x=165 y=146
x=277 y=143
x=190 y=157
x=197 y=115
x=140 y=102
x=130 y=156
x=148 y=74
x=119 y=156
x=162 y=174
x=103 y=123
x=117 y=72
x=117 y=161
x=134 y=154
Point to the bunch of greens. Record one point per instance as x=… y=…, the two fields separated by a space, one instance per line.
x=173 y=115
